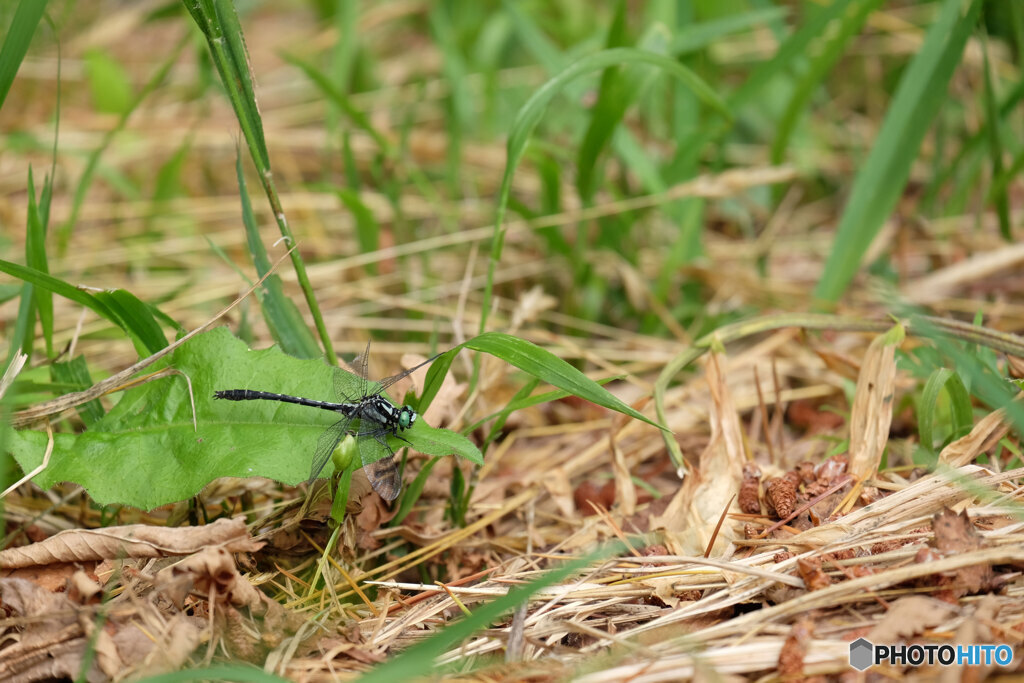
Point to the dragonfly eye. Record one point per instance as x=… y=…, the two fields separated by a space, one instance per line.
x=406 y=417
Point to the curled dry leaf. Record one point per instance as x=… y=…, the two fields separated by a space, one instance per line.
x=693 y=515
x=909 y=616
x=251 y=622
x=210 y=572
x=135 y=540
x=871 y=414
x=989 y=430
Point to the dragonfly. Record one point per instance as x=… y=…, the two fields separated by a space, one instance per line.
x=370 y=417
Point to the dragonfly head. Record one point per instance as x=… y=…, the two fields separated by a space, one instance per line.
x=406 y=417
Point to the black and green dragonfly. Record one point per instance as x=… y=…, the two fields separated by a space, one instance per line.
x=370 y=417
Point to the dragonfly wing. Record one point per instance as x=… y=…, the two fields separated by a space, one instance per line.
x=379 y=464
x=325 y=446
x=385 y=383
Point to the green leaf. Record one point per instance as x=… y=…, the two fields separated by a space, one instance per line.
x=109 y=83
x=880 y=181
x=145 y=452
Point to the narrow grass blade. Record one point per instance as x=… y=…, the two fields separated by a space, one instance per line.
x=997 y=196
x=35 y=256
x=15 y=44
x=218 y=21
x=85 y=180
x=136 y=318
x=284 y=320
x=75 y=375
x=699 y=36
x=881 y=180
x=928 y=405
x=367 y=228
x=549 y=368
x=59 y=287
x=413 y=491
x=360 y=120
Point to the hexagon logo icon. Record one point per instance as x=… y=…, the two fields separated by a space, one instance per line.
x=862 y=654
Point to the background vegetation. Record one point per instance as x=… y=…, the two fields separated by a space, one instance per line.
x=613 y=182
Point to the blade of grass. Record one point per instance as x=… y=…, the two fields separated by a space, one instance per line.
x=413 y=492
x=998 y=196
x=549 y=368
x=218 y=21
x=136 y=318
x=928 y=405
x=367 y=228
x=15 y=44
x=881 y=180
x=339 y=99
x=284 y=320
x=35 y=256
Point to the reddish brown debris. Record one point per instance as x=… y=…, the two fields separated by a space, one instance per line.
x=749 y=496
x=811 y=572
x=794 y=649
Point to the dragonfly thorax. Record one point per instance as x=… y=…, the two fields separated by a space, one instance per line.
x=380 y=410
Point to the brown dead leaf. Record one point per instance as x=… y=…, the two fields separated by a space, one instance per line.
x=955 y=534
x=910 y=616
x=51 y=643
x=210 y=572
x=693 y=514
x=252 y=624
x=871 y=414
x=135 y=540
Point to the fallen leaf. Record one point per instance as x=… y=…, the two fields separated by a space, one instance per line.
x=134 y=540
x=909 y=616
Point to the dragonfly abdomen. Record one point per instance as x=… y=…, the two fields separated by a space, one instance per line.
x=253 y=395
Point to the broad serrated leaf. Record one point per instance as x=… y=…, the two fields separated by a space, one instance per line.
x=145 y=452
